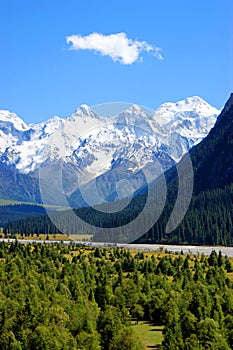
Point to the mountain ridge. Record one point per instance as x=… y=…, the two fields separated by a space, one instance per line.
x=90 y=145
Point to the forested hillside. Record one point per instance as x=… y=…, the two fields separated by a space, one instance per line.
x=19 y=211
x=207 y=222
x=209 y=219
x=67 y=297
x=213 y=158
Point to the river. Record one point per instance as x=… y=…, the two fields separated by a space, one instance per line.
x=206 y=250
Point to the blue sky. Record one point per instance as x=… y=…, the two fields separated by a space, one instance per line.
x=41 y=76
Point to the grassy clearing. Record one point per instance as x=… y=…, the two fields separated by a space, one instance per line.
x=43 y=237
x=230 y=276
x=5 y=202
x=57 y=237
x=151 y=336
x=81 y=237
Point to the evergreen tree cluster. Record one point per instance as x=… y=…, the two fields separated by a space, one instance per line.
x=209 y=221
x=68 y=297
x=19 y=211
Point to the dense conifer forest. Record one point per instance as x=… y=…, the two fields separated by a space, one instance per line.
x=69 y=297
x=19 y=211
x=209 y=221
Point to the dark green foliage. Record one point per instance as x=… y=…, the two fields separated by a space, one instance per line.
x=19 y=211
x=126 y=340
x=67 y=297
x=209 y=221
x=213 y=158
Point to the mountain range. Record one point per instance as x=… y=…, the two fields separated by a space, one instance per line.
x=209 y=217
x=87 y=158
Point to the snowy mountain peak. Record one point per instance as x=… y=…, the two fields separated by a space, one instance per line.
x=55 y=119
x=86 y=111
x=53 y=124
x=9 y=117
x=196 y=103
x=135 y=108
x=193 y=99
x=194 y=106
x=134 y=111
x=85 y=108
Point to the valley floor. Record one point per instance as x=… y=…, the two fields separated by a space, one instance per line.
x=85 y=240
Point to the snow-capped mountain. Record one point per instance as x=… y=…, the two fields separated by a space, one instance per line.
x=125 y=151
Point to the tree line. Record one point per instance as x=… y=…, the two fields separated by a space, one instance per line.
x=208 y=221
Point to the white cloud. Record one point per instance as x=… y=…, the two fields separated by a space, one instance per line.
x=117 y=46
